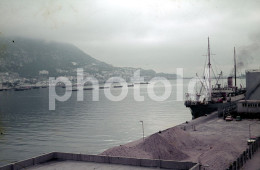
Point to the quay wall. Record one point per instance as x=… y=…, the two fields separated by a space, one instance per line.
x=246 y=155
x=153 y=163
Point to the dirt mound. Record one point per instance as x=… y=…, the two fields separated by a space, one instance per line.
x=180 y=138
x=161 y=148
x=164 y=145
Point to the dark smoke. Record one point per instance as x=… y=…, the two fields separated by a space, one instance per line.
x=245 y=54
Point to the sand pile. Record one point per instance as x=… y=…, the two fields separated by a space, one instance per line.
x=160 y=147
x=180 y=138
x=124 y=151
x=165 y=145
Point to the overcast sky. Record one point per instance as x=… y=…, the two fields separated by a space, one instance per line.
x=153 y=34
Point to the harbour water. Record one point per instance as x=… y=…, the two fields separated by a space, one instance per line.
x=90 y=127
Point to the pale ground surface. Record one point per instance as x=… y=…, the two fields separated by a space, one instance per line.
x=214 y=142
x=76 y=165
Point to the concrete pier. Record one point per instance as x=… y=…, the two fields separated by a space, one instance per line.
x=67 y=161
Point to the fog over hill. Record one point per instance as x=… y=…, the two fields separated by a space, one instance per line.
x=29 y=57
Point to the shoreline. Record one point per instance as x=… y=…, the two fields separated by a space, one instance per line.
x=209 y=140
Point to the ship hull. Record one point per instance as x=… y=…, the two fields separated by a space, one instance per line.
x=202 y=110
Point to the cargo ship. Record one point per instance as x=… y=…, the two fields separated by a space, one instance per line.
x=210 y=97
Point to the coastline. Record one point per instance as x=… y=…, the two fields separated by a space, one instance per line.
x=208 y=140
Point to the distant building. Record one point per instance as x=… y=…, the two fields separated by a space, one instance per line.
x=43 y=72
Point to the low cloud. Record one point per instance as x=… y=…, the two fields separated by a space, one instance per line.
x=149 y=34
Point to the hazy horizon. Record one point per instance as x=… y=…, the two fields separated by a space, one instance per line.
x=150 y=34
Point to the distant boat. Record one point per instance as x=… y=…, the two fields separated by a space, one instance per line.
x=130 y=85
x=88 y=88
x=73 y=88
x=20 y=88
x=143 y=83
x=103 y=87
x=118 y=86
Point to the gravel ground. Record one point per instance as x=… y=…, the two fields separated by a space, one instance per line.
x=213 y=142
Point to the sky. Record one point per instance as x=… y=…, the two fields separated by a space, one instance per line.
x=152 y=34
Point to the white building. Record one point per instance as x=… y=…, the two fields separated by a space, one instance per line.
x=43 y=72
x=251 y=106
x=248 y=106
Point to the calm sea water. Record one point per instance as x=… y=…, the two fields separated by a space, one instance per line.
x=88 y=126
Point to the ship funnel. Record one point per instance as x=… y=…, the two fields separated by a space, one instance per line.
x=230 y=82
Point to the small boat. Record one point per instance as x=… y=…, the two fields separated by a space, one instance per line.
x=103 y=87
x=73 y=88
x=88 y=88
x=142 y=83
x=118 y=86
x=130 y=85
x=20 y=89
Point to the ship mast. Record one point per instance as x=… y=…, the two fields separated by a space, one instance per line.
x=209 y=67
x=235 y=67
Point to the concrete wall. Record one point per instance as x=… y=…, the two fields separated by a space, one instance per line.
x=246 y=155
x=164 y=164
x=29 y=162
x=125 y=161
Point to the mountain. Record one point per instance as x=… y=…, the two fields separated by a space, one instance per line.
x=29 y=57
